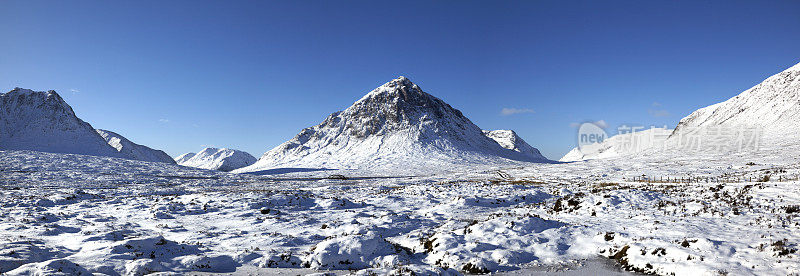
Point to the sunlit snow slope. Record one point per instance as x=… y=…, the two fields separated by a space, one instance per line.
x=773 y=105
x=42 y=121
x=217 y=159
x=510 y=140
x=619 y=145
x=396 y=127
x=133 y=150
x=771 y=108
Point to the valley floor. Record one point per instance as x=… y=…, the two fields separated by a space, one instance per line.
x=72 y=214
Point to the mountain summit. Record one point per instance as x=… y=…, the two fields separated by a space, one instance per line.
x=396 y=125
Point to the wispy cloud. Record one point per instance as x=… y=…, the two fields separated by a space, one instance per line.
x=511 y=111
x=657 y=111
x=600 y=123
x=74 y=91
x=162 y=120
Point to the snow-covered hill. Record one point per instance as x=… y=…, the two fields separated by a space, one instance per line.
x=766 y=113
x=217 y=159
x=184 y=157
x=132 y=150
x=43 y=121
x=773 y=105
x=620 y=145
x=510 y=140
x=396 y=127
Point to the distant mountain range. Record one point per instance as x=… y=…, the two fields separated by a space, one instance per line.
x=216 y=159
x=395 y=127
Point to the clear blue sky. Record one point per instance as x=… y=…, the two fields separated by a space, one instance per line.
x=180 y=75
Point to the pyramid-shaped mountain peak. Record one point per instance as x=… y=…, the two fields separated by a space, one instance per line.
x=388 y=128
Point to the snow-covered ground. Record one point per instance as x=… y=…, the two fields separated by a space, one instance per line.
x=116 y=216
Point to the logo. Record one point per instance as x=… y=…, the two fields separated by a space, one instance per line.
x=590 y=134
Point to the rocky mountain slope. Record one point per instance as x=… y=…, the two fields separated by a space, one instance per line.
x=773 y=106
x=43 y=121
x=133 y=150
x=397 y=126
x=217 y=159
x=510 y=140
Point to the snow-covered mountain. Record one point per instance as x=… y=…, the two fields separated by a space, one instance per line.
x=184 y=157
x=769 y=111
x=620 y=144
x=510 y=140
x=43 y=121
x=132 y=150
x=773 y=105
x=397 y=126
x=217 y=159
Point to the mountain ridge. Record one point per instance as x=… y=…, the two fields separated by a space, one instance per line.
x=44 y=121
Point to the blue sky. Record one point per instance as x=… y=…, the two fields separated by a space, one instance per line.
x=181 y=75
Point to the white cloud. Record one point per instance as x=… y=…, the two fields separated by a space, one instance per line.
x=511 y=111
x=74 y=91
x=162 y=120
x=601 y=124
x=656 y=111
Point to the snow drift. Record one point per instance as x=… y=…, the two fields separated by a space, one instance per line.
x=396 y=126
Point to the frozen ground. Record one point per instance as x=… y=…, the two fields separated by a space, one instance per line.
x=73 y=214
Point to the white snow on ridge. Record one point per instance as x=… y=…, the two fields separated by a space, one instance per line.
x=43 y=121
x=184 y=157
x=620 y=145
x=508 y=139
x=132 y=150
x=396 y=127
x=771 y=108
x=221 y=159
x=773 y=105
